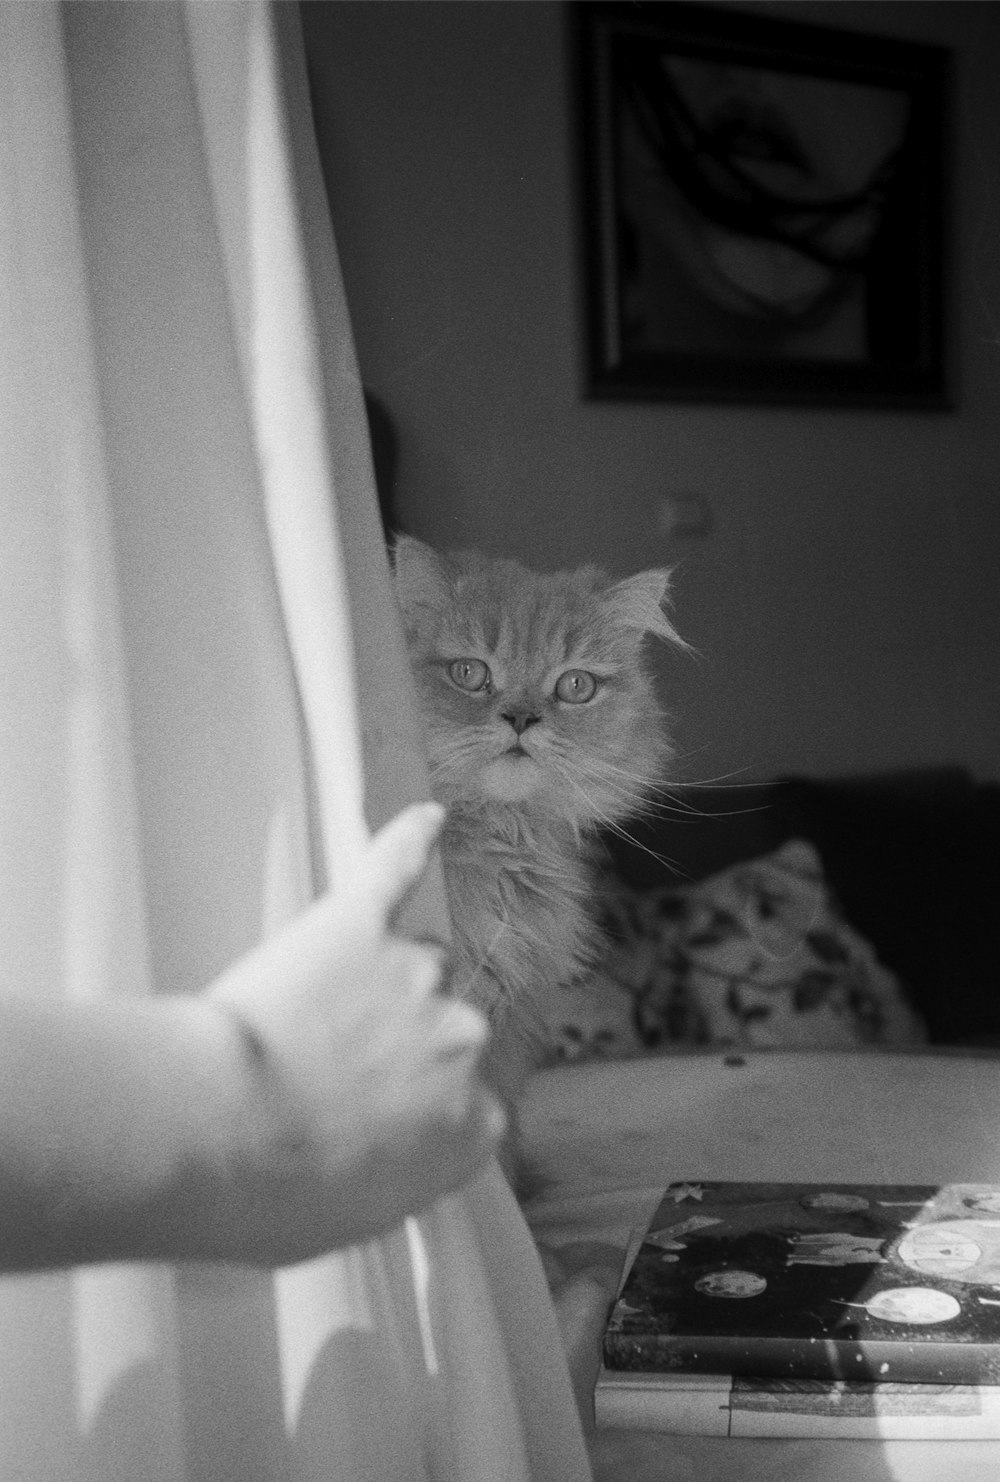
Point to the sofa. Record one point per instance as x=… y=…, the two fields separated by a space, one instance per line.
x=912 y=858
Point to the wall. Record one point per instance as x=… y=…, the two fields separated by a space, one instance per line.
x=845 y=605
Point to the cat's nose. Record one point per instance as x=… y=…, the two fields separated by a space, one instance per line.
x=520 y=720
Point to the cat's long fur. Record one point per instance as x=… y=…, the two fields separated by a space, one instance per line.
x=528 y=777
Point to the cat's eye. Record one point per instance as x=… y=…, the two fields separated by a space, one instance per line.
x=576 y=686
x=469 y=674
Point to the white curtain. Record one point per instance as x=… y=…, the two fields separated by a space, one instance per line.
x=204 y=708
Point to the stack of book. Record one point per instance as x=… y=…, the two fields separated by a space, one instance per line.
x=810 y=1310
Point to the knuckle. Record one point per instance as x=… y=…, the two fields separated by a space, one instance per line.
x=430 y=966
x=462 y=1026
x=423 y=965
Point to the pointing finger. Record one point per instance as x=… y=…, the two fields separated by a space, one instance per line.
x=396 y=859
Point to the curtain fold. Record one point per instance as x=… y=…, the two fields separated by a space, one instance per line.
x=205 y=707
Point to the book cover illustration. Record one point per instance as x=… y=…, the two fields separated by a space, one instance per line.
x=864 y=1283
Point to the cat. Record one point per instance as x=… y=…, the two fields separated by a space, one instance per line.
x=542 y=725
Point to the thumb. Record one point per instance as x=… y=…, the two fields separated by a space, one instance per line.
x=396 y=859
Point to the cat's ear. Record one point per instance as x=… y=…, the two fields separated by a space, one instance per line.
x=641 y=602
x=420 y=574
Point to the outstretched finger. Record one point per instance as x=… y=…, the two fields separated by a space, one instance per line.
x=396 y=860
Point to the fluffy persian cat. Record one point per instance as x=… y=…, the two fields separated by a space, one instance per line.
x=541 y=725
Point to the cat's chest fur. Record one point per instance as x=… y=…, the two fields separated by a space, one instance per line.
x=522 y=906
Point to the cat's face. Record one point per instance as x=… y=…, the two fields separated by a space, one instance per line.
x=532 y=686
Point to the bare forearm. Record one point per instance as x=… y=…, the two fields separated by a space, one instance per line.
x=126 y=1129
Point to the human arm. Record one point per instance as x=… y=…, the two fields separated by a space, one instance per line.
x=315 y=1094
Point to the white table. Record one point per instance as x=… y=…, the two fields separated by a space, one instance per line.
x=607 y=1138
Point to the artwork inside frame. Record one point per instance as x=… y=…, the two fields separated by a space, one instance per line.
x=763 y=208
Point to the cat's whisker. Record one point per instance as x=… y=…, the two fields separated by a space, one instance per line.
x=642 y=806
x=663 y=799
x=612 y=825
x=696 y=751
x=620 y=832
x=643 y=780
x=600 y=767
x=651 y=786
x=720 y=781
x=606 y=770
x=669 y=790
x=682 y=810
x=639 y=803
x=626 y=802
x=630 y=786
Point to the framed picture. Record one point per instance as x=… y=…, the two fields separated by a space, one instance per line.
x=763 y=208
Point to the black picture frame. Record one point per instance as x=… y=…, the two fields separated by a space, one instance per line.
x=763 y=208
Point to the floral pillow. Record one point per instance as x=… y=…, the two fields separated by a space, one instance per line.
x=756 y=956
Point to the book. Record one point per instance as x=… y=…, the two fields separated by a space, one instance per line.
x=846 y=1283
x=728 y=1405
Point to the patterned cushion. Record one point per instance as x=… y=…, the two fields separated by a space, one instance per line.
x=757 y=955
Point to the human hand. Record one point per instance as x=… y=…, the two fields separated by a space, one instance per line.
x=365 y=1098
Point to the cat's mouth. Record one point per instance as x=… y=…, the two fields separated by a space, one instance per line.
x=513 y=776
